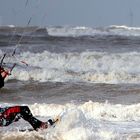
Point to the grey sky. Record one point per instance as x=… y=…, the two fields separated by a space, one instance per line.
x=93 y=13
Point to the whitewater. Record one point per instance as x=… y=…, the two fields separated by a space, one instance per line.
x=88 y=76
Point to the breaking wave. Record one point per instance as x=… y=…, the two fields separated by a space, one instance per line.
x=96 y=67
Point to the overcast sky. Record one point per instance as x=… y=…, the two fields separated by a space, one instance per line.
x=93 y=13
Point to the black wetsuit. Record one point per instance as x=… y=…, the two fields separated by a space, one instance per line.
x=9 y=115
x=1 y=81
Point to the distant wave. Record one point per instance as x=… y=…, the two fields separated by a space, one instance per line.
x=112 y=34
x=89 y=31
x=73 y=31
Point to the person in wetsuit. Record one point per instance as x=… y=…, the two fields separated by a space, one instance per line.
x=9 y=115
x=3 y=75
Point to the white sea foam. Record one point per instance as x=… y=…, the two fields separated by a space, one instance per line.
x=99 y=67
x=90 y=110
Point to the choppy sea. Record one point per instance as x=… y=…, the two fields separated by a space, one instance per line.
x=89 y=76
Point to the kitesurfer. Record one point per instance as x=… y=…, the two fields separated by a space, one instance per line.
x=3 y=74
x=9 y=115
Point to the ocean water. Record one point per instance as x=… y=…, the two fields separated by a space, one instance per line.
x=88 y=76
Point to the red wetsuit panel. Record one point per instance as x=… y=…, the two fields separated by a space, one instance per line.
x=10 y=111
